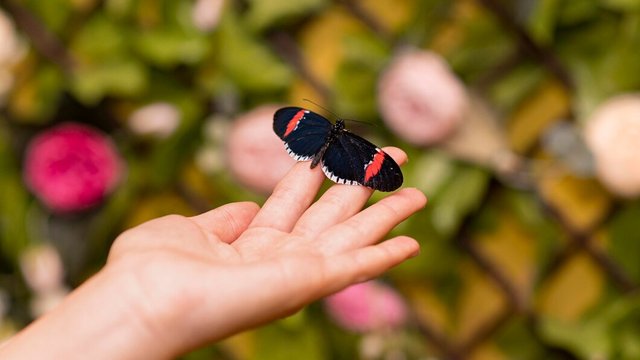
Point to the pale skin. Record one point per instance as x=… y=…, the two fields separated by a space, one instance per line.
x=176 y=283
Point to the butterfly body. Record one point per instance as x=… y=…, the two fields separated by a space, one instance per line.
x=346 y=157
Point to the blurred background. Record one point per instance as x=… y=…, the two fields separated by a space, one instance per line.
x=520 y=118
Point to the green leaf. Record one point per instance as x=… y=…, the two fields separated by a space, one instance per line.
x=576 y=12
x=248 y=61
x=517 y=340
x=484 y=44
x=586 y=341
x=625 y=239
x=513 y=87
x=542 y=23
x=621 y=5
x=279 y=342
x=429 y=171
x=99 y=39
x=611 y=332
x=263 y=14
x=53 y=13
x=116 y=78
x=14 y=234
x=356 y=79
x=355 y=88
x=106 y=65
x=171 y=46
x=37 y=95
x=461 y=195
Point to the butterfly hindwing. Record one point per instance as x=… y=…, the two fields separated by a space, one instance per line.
x=353 y=160
x=303 y=131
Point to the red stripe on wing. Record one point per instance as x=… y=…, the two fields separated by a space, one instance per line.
x=293 y=123
x=374 y=166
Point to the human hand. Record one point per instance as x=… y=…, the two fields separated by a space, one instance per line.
x=183 y=282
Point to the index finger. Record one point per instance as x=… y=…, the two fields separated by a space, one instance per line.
x=291 y=197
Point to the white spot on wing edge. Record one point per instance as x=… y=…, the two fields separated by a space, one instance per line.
x=336 y=179
x=296 y=156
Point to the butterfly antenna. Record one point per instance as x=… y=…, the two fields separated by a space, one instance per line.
x=363 y=122
x=323 y=108
x=336 y=115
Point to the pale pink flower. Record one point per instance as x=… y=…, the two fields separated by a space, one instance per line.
x=71 y=167
x=11 y=50
x=44 y=273
x=206 y=14
x=159 y=119
x=10 y=45
x=42 y=268
x=45 y=302
x=420 y=98
x=367 y=306
x=612 y=134
x=254 y=153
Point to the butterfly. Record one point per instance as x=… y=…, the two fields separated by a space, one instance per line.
x=346 y=157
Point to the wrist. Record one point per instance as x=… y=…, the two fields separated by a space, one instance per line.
x=97 y=321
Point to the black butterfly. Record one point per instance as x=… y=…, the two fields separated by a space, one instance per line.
x=346 y=158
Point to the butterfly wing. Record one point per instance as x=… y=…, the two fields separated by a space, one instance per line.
x=353 y=160
x=303 y=131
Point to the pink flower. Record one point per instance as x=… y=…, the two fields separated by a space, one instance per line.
x=254 y=153
x=420 y=99
x=71 y=167
x=367 y=306
x=612 y=134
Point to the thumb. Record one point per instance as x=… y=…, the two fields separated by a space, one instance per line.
x=228 y=221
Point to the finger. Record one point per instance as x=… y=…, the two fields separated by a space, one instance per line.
x=227 y=222
x=371 y=224
x=291 y=197
x=339 y=203
x=363 y=264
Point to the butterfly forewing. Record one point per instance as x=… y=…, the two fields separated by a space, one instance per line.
x=303 y=131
